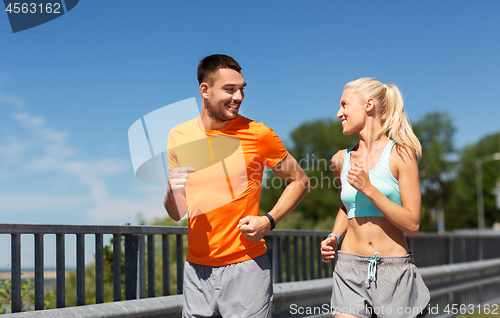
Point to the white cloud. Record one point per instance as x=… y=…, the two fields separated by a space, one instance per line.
x=149 y=187
x=28 y=202
x=102 y=167
x=110 y=209
x=11 y=100
x=12 y=148
x=53 y=142
x=43 y=148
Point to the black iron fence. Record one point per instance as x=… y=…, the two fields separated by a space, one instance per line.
x=295 y=256
x=429 y=249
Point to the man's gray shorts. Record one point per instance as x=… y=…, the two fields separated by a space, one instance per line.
x=236 y=290
x=397 y=289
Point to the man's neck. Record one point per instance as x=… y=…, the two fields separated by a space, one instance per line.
x=207 y=123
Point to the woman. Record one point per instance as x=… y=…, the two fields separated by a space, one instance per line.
x=380 y=201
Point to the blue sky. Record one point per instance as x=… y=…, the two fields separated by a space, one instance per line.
x=71 y=88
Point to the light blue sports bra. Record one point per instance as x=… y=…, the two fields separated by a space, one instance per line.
x=358 y=204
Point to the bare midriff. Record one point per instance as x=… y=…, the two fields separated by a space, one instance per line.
x=367 y=235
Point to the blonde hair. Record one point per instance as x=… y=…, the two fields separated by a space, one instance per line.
x=395 y=122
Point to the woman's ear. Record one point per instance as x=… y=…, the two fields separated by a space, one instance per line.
x=370 y=105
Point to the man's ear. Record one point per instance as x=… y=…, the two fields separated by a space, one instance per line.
x=204 y=90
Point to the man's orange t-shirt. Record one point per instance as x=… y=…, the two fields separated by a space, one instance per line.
x=226 y=185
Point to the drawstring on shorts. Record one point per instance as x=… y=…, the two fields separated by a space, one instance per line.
x=372 y=268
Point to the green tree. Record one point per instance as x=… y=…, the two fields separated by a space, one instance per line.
x=464 y=202
x=27 y=295
x=435 y=131
x=314 y=144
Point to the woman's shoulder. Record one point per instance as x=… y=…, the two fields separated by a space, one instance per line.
x=403 y=155
x=338 y=159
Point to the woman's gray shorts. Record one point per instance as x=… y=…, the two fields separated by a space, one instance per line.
x=396 y=288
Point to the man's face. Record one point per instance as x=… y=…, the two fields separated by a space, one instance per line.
x=225 y=94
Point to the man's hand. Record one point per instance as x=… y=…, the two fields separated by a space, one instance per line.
x=254 y=228
x=177 y=179
x=328 y=248
x=175 y=199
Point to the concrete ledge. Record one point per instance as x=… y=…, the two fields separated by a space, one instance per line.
x=446 y=274
x=167 y=306
x=302 y=299
x=311 y=297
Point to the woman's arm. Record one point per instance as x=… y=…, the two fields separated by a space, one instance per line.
x=329 y=245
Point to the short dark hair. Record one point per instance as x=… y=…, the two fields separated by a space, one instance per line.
x=212 y=63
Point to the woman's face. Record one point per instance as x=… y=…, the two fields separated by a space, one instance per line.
x=352 y=112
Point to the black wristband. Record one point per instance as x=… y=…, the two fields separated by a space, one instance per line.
x=273 y=225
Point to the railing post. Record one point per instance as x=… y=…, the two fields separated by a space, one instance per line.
x=411 y=243
x=280 y=259
x=80 y=269
x=151 y=265
x=141 y=270
x=480 y=248
x=274 y=264
x=319 y=258
x=16 y=272
x=450 y=249
x=288 y=260
x=60 y=272
x=462 y=245
x=312 y=256
x=304 y=258
x=269 y=252
x=39 y=271
x=180 y=262
x=131 y=249
x=296 y=257
x=99 y=269
x=117 y=267
x=166 y=264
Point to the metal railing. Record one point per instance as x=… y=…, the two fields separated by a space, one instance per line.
x=462 y=288
x=431 y=249
x=455 y=289
x=295 y=256
x=134 y=245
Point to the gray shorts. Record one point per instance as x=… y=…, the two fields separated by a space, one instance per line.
x=236 y=290
x=394 y=288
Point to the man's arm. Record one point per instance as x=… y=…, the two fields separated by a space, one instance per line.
x=175 y=199
x=255 y=227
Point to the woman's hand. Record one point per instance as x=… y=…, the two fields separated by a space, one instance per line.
x=358 y=177
x=328 y=248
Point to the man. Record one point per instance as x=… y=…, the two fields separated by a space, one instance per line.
x=216 y=164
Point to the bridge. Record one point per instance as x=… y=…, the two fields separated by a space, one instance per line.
x=461 y=269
